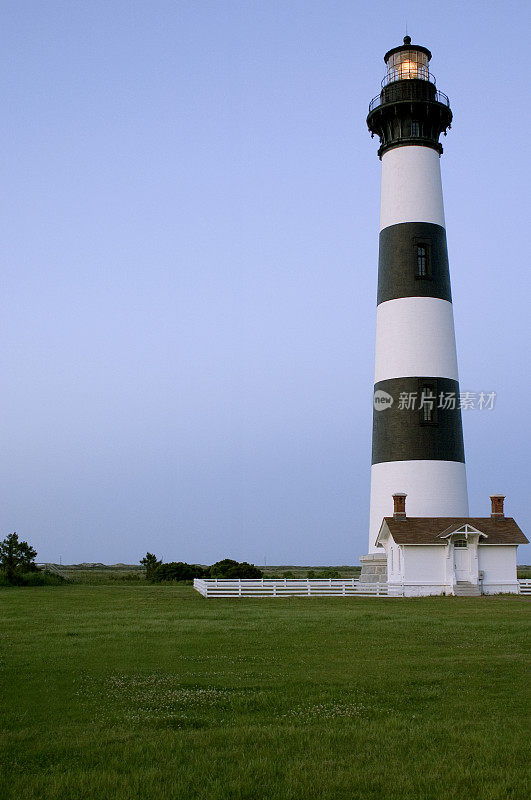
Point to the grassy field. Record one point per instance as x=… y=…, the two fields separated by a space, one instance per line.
x=139 y=691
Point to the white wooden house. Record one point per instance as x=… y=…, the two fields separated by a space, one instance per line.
x=450 y=555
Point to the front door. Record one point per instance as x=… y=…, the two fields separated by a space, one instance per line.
x=461 y=561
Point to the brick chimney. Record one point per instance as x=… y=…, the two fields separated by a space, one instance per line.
x=399 y=499
x=496 y=501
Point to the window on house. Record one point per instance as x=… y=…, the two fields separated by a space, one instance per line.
x=460 y=543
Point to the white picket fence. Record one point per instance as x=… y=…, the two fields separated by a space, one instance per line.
x=288 y=587
x=300 y=587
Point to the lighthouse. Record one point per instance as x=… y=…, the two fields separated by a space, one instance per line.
x=417 y=441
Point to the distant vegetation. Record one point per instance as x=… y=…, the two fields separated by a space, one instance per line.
x=137 y=574
x=152 y=570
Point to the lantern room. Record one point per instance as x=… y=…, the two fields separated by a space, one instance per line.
x=407 y=62
x=409 y=109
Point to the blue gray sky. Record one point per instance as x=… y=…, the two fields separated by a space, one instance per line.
x=189 y=259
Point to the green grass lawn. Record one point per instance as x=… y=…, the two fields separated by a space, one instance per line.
x=154 y=692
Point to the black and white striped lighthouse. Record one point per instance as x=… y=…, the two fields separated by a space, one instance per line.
x=417 y=445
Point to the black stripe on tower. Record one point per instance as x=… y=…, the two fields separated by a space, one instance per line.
x=402 y=434
x=413 y=262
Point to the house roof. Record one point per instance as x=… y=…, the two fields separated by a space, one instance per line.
x=431 y=530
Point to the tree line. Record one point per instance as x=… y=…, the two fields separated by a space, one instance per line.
x=17 y=562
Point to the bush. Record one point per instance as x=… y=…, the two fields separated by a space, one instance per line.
x=228 y=568
x=177 y=571
x=32 y=578
x=41 y=578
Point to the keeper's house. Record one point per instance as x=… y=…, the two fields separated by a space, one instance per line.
x=451 y=555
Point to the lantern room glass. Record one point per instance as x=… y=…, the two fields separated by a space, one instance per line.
x=406 y=65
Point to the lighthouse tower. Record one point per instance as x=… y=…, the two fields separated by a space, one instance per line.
x=417 y=446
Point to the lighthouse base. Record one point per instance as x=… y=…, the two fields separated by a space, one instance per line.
x=374 y=568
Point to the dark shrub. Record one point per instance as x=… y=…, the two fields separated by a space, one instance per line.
x=328 y=573
x=228 y=568
x=221 y=568
x=177 y=571
x=31 y=578
x=40 y=578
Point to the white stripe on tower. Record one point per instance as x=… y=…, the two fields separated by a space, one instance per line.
x=415 y=339
x=415 y=336
x=434 y=489
x=411 y=187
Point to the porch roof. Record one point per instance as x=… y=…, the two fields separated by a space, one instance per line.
x=430 y=530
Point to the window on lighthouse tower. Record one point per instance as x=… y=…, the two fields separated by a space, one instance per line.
x=428 y=403
x=422 y=261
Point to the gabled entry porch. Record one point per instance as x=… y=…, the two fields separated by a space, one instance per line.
x=462 y=563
